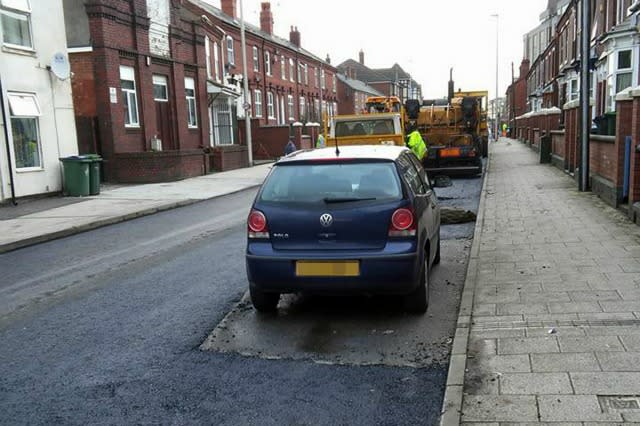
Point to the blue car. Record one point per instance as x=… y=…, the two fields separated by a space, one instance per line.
x=363 y=219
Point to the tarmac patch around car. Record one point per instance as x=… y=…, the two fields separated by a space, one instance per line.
x=352 y=330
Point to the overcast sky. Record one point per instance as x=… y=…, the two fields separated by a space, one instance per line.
x=426 y=37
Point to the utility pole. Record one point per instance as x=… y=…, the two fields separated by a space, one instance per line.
x=585 y=122
x=245 y=86
x=513 y=101
x=496 y=115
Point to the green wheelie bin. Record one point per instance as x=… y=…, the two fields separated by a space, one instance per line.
x=76 y=175
x=94 y=173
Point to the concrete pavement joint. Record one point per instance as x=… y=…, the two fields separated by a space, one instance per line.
x=110 y=221
x=452 y=401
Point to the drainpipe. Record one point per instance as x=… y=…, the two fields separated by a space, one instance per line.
x=8 y=147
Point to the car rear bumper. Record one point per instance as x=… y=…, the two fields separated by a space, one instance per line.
x=380 y=273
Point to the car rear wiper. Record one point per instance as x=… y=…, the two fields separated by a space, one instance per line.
x=346 y=199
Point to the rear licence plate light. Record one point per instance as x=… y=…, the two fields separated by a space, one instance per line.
x=327 y=268
x=450 y=152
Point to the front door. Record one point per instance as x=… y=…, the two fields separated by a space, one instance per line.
x=163 y=112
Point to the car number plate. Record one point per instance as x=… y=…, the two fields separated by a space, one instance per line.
x=327 y=268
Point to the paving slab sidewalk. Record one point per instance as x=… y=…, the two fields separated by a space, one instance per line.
x=116 y=204
x=549 y=326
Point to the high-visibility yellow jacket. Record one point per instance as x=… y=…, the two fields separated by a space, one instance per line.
x=417 y=145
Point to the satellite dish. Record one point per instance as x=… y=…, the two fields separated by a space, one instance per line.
x=60 y=66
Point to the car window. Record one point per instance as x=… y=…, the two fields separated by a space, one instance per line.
x=411 y=176
x=313 y=182
x=421 y=172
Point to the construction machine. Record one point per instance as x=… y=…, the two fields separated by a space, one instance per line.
x=382 y=124
x=454 y=129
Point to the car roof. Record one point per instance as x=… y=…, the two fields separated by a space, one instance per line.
x=364 y=152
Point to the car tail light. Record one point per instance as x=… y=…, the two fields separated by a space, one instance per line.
x=257 y=223
x=403 y=224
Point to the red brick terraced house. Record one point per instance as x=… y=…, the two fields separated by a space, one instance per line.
x=158 y=93
x=353 y=94
x=614 y=161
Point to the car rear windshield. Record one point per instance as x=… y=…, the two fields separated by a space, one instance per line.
x=330 y=182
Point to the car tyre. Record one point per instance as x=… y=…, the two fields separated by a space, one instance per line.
x=264 y=302
x=436 y=260
x=418 y=300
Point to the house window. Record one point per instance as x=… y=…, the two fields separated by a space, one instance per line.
x=623 y=71
x=256 y=57
x=316 y=77
x=25 y=111
x=230 y=55
x=160 y=88
x=267 y=62
x=222 y=122
x=16 y=23
x=216 y=62
x=291 y=111
x=190 y=94
x=258 y=102
x=207 y=53
x=291 y=70
x=270 y=109
x=322 y=80
x=316 y=107
x=283 y=69
x=129 y=97
x=333 y=83
x=306 y=74
x=302 y=107
x=300 y=72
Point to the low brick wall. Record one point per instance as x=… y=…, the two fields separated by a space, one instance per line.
x=223 y=158
x=149 y=167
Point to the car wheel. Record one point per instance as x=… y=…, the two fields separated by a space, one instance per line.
x=418 y=300
x=436 y=260
x=264 y=302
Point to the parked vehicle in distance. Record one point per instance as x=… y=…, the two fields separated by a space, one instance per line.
x=364 y=220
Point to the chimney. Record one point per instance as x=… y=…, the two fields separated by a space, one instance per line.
x=294 y=36
x=328 y=60
x=524 y=68
x=229 y=8
x=361 y=57
x=266 y=18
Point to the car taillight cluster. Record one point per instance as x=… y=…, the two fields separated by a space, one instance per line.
x=257 y=224
x=403 y=224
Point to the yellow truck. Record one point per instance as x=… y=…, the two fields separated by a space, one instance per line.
x=454 y=130
x=382 y=124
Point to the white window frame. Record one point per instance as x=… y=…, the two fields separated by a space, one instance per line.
x=230 y=51
x=207 y=54
x=267 y=62
x=300 y=72
x=17 y=10
x=291 y=70
x=334 y=83
x=160 y=80
x=323 y=83
x=127 y=73
x=283 y=67
x=216 y=61
x=256 y=59
x=270 y=109
x=257 y=102
x=306 y=74
x=25 y=106
x=192 y=111
x=291 y=109
x=302 y=105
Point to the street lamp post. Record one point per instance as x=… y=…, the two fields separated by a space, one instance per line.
x=496 y=115
x=245 y=87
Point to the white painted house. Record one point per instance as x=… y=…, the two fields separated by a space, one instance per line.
x=37 y=121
